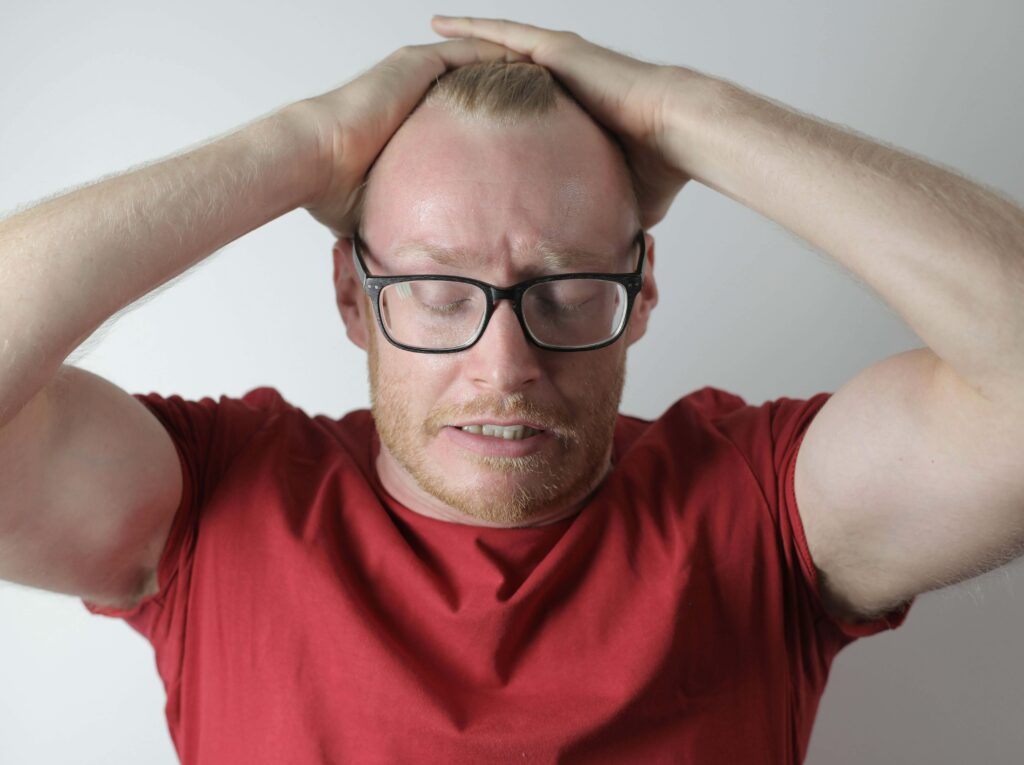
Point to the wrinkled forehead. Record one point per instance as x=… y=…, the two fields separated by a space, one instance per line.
x=550 y=194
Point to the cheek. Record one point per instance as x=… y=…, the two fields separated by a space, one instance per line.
x=583 y=375
x=417 y=380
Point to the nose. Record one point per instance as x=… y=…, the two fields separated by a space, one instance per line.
x=503 y=359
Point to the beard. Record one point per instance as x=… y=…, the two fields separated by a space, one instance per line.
x=505 y=491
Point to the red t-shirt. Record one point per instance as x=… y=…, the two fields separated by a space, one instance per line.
x=304 y=616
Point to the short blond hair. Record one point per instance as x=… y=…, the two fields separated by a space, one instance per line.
x=502 y=92
x=497 y=92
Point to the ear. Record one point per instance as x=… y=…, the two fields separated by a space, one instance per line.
x=352 y=303
x=646 y=300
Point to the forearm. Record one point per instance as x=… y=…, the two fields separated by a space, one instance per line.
x=945 y=253
x=68 y=264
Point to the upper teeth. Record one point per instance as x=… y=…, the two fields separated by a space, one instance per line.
x=511 y=432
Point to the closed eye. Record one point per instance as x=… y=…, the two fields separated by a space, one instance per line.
x=564 y=308
x=446 y=308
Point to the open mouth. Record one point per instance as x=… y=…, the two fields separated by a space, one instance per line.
x=502 y=441
x=506 y=432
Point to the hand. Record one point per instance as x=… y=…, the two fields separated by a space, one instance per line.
x=629 y=97
x=355 y=121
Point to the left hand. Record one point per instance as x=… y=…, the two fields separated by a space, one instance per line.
x=629 y=97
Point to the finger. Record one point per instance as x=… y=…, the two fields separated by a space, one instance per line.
x=456 y=53
x=425 y=63
x=600 y=78
x=417 y=66
x=568 y=55
x=523 y=38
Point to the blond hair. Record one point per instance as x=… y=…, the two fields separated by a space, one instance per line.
x=497 y=92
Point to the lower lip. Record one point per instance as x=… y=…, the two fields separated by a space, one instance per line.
x=497 y=447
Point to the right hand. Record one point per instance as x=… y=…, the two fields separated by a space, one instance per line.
x=632 y=98
x=355 y=121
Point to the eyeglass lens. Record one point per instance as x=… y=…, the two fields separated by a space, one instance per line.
x=437 y=314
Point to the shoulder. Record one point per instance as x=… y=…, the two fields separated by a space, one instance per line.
x=688 y=429
x=354 y=432
x=698 y=410
x=258 y=402
x=713 y=426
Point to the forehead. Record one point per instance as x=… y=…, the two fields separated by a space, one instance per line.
x=552 y=192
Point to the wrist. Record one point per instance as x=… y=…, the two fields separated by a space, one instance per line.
x=291 y=140
x=695 y=103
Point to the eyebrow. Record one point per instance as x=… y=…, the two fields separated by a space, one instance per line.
x=554 y=258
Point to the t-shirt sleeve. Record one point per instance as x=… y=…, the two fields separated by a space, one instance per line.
x=769 y=436
x=788 y=420
x=207 y=436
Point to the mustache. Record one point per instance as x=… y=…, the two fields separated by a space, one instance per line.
x=549 y=418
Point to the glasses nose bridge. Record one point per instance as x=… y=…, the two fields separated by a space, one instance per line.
x=503 y=293
x=513 y=296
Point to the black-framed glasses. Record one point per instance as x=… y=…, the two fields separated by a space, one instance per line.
x=429 y=313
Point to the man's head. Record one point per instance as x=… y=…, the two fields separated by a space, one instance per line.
x=499 y=165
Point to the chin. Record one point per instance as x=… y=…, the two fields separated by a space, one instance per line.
x=508 y=493
x=511 y=509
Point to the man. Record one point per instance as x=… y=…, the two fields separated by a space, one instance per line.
x=497 y=566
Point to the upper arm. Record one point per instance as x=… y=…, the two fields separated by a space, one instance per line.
x=89 y=484
x=908 y=480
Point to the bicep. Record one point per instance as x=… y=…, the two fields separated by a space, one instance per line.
x=91 y=481
x=908 y=480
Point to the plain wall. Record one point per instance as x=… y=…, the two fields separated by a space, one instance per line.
x=92 y=89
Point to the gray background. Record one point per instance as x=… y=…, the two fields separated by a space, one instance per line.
x=92 y=89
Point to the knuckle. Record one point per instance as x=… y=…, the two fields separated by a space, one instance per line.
x=407 y=52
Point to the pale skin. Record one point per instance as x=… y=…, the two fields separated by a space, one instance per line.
x=942 y=251
x=495 y=194
x=912 y=475
x=71 y=262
